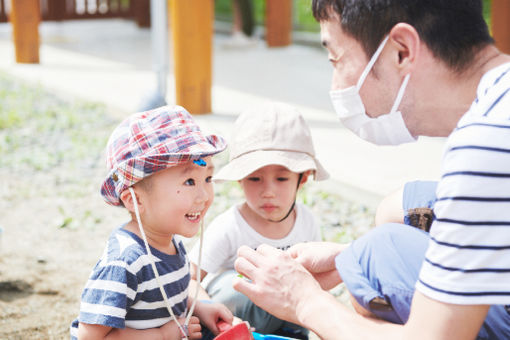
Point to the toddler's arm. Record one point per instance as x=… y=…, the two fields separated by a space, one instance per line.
x=168 y=331
x=202 y=294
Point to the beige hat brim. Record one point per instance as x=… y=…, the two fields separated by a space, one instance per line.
x=244 y=165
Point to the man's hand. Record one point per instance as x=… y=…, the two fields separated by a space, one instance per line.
x=277 y=282
x=319 y=259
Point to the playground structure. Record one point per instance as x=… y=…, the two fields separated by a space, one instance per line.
x=190 y=23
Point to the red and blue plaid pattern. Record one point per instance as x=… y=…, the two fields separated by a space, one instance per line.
x=150 y=141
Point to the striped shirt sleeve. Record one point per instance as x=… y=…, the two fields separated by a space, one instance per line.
x=108 y=294
x=467 y=261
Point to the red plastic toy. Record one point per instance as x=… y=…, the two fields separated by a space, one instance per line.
x=237 y=332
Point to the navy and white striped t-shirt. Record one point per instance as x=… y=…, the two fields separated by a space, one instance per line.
x=468 y=259
x=122 y=290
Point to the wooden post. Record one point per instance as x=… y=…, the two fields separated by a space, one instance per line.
x=278 y=22
x=500 y=16
x=25 y=17
x=142 y=11
x=56 y=10
x=192 y=26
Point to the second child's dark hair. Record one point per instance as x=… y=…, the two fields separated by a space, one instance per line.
x=454 y=30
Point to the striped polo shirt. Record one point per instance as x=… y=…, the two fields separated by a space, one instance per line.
x=468 y=259
x=122 y=290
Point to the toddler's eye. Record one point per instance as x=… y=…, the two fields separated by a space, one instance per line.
x=208 y=179
x=282 y=179
x=189 y=181
x=253 y=179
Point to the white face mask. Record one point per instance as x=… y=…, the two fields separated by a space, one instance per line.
x=387 y=129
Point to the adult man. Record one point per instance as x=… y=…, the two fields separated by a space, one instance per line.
x=435 y=62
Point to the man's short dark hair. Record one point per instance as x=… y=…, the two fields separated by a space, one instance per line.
x=454 y=30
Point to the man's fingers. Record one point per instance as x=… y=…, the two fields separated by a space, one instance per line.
x=244 y=286
x=295 y=250
x=268 y=251
x=244 y=267
x=328 y=280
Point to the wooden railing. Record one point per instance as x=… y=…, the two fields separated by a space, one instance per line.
x=3 y=11
x=80 y=9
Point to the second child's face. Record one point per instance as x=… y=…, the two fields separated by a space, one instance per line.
x=270 y=191
x=178 y=198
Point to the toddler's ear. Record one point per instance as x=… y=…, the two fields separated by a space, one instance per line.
x=304 y=178
x=127 y=200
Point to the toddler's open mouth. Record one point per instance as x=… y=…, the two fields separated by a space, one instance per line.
x=193 y=216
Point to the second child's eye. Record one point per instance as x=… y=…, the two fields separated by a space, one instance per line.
x=189 y=181
x=253 y=179
x=282 y=179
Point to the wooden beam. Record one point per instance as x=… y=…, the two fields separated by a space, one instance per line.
x=191 y=23
x=25 y=17
x=278 y=22
x=500 y=16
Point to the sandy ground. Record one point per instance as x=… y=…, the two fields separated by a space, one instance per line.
x=43 y=267
x=55 y=224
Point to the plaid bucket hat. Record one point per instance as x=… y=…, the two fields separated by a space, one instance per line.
x=149 y=141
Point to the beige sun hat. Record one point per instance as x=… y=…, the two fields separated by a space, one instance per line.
x=270 y=134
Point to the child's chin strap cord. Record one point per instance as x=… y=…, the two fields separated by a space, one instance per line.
x=183 y=328
x=293 y=203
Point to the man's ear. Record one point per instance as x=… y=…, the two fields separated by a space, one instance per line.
x=127 y=200
x=406 y=40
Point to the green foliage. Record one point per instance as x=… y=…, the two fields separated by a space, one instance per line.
x=303 y=18
x=487 y=11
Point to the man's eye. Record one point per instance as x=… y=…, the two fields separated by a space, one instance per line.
x=189 y=181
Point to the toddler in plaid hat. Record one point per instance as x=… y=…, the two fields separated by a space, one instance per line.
x=271 y=156
x=160 y=170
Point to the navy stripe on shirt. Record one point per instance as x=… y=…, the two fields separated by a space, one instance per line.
x=476 y=147
x=477 y=173
x=474 y=199
x=471 y=246
x=474 y=223
x=501 y=76
x=490 y=293
x=477 y=270
x=499 y=126
x=150 y=314
x=496 y=102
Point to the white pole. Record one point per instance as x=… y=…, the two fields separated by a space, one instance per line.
x=159 y=44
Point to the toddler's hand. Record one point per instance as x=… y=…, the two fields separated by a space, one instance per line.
x=171 y=331
x=211 y=313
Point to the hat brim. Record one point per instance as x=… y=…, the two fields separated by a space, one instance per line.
x=246 y=164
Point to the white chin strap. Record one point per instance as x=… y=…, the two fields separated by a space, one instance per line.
x=183 y=328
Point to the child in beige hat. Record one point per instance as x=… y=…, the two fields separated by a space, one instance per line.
x=271 y=156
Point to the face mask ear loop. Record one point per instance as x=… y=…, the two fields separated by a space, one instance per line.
x=400 y=94
x=371 y=63
x=156 y=274
x=198 y=277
